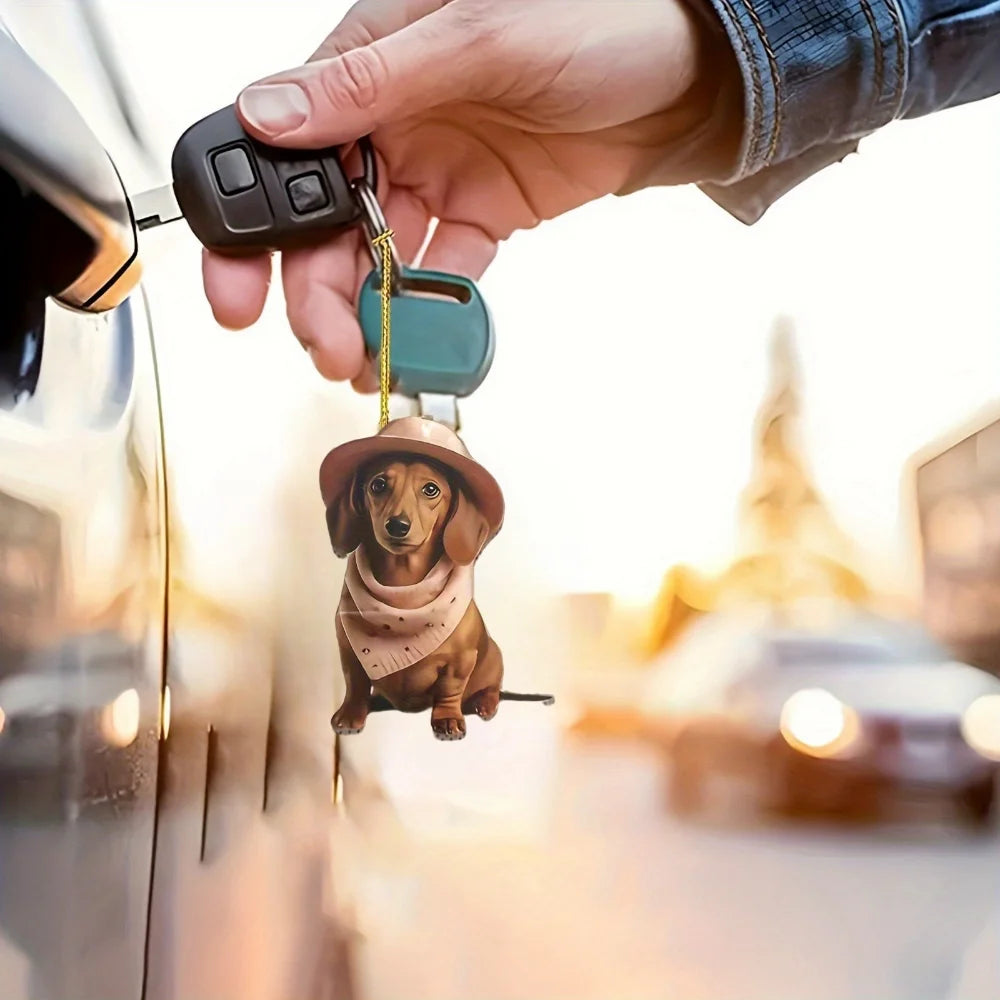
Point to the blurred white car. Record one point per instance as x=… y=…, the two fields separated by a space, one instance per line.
x=832 y=720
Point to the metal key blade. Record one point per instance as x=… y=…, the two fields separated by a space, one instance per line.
x=155 y=207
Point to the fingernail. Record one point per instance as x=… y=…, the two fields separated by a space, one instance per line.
x=274 y=108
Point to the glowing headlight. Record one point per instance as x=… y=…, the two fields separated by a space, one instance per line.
x=981 y=726
x=817 y=723
x=120 y=719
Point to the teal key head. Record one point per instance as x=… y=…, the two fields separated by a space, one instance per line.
x=442 y=331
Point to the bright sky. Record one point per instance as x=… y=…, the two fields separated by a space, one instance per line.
x=633 y=334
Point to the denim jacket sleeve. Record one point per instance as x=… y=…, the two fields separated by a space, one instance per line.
x=819 y=75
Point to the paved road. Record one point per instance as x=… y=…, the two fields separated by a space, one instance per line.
x=620 y=902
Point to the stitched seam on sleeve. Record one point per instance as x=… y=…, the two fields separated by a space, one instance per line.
x=900 y=39
x=757 y=89
x=772 y=62
x=879 y=55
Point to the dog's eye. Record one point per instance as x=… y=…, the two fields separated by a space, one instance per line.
x=431 y=490
x=378 y=485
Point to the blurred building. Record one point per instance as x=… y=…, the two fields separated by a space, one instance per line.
x=957 y=489
x=791 y=549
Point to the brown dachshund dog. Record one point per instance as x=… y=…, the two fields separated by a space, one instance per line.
x=413 y=529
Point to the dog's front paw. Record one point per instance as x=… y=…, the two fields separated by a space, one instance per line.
x=449 y=727
x=348 y=720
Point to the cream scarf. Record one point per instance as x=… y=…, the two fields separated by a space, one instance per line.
x=391 y=628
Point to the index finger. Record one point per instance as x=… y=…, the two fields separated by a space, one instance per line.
x=236 y=287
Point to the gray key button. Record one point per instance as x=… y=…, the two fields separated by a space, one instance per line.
x=233 y=171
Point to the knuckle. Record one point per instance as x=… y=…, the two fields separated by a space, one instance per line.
x=356 y=79
x=354 y=33
x=477 y=21
x=343 y=40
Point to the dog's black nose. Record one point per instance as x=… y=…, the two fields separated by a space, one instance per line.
x=397 y=527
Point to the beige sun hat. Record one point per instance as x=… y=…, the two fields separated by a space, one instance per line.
x=414 y=436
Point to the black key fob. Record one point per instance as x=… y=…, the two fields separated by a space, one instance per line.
x=241 y=197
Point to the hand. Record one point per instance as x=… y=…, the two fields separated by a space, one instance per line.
x=487 y=116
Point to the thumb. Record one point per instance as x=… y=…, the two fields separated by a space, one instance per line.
x=333 y=101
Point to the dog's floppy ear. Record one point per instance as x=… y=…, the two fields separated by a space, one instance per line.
x=345 y=520
x=466 y=532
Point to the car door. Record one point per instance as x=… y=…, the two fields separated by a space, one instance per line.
x=82 y=559
x=212 y=877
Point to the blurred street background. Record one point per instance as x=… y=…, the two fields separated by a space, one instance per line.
x=621 y=900
x=752 y=545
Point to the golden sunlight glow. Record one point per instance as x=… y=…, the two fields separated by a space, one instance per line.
x=815 y=722
x=790 y=549
x=981 y=726
x=120 y=720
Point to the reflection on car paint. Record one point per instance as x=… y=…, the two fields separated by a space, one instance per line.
x=82 y=591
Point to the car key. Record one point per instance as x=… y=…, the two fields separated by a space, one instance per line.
x=444 y=342
x=241 y=197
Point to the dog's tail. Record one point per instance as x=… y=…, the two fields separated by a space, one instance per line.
x=378 y=703
x=545 y=699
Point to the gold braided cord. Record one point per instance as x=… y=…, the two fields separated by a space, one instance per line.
x=381 y=242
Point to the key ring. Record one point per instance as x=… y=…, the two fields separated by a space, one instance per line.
x=369 y=161
x=375 y=224
x=372 y=216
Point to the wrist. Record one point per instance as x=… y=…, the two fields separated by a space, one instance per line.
x=716 y=91
x=699 y=137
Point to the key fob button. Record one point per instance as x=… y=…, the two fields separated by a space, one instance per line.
x=241 y=197
x=233 y=171
x=307 y=193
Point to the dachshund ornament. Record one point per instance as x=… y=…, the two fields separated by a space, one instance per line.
x=412 y=511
